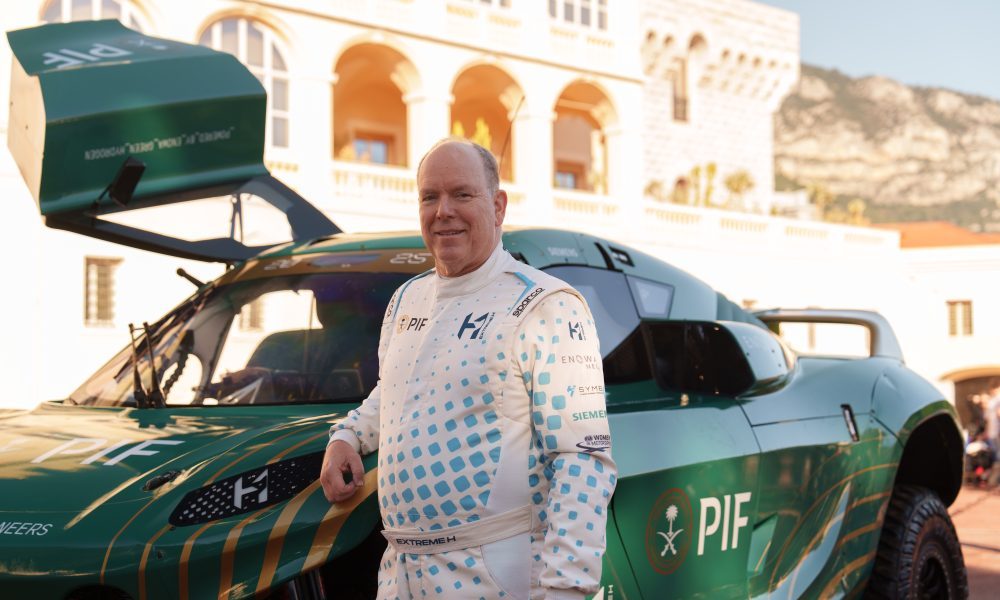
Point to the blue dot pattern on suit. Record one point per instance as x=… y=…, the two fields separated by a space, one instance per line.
x=439 y=414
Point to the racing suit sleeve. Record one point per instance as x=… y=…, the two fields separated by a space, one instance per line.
x=360 y=427
x=560 y=362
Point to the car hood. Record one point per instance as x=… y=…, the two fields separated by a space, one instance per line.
x=72 y=459
x=125 y=498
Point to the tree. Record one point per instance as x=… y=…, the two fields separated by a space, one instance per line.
x=739 y=183
x=821 y=197
x=856 y=212
x=710 y=170
x=482 y=134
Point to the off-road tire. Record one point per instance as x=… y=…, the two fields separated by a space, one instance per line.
x=918 y=556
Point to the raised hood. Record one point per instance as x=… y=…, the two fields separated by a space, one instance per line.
x=105 y=119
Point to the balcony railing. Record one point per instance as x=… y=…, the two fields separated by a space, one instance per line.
x=698 y=223
x=572 y=203
x=362 y=182
x=391 y=191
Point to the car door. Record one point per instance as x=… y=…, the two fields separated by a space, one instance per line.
x=821 y=485
x=686 y=456
x=688 y=461
x=686 y=493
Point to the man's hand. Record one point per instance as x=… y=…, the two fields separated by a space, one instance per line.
x=340 y=460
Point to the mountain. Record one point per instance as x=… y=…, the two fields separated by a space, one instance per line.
x=911 y=153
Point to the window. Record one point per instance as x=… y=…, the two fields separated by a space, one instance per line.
x=64 y=11
x=99 y=291
x=565 y=180
x=959 y=317
x=570 y=176
x=607 y=294
x=653 y=299
x=255 y=45
x=592 y=14
x=680 y=90
x=372 y=148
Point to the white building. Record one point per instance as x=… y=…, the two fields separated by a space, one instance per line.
x=599 y=110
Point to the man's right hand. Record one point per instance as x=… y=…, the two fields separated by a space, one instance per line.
x=341 y=459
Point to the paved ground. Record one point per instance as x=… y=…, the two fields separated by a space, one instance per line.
x=976 y=514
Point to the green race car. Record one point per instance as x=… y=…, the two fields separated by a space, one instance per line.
x=187 y=466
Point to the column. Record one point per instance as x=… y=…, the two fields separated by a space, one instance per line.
x=427 y=121
x=532 y=156
x=625 y=176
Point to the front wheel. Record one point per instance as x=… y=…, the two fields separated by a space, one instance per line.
x=919 y=556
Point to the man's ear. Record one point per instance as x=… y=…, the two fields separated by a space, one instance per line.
x=500 y=206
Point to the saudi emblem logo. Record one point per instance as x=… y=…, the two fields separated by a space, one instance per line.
x=668 y=531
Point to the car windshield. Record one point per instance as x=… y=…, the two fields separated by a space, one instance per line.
x=271 y=340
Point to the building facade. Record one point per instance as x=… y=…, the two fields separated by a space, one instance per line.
x=646 y=122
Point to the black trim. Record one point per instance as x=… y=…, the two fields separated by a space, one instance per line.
x=304 y=219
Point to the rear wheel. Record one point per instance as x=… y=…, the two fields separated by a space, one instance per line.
x=919 y=556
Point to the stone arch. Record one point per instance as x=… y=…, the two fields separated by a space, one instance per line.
x=369 y=110
x=259 y=45
x=485 y=98
x=698 y=48
x=584 y=113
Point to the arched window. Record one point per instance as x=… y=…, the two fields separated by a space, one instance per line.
x=580 y=151
x=256 y=47
x=64 y=11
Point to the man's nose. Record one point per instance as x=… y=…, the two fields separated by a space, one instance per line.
x=445 y=207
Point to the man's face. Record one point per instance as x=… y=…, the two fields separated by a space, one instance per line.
x=459 y=220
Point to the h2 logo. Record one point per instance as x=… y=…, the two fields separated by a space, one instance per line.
x=476 y=325
x=576 y=331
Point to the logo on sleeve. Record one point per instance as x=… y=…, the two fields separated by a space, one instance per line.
x=527 y=300
x=408 y=323
x=576 y=331
x=477 y=325
x=595 y=443
x=587 y=361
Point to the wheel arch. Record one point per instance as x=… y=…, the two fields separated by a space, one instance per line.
x=932 y=457
x=926 y=426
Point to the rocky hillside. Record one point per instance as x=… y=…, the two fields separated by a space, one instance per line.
x=911 y=153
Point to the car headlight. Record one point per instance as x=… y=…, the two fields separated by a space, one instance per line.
x=248 y=491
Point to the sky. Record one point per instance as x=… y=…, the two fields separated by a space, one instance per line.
x=953 y=44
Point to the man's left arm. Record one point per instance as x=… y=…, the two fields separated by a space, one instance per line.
x=562 y=369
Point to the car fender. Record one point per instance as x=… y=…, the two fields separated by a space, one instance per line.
x=926 y=427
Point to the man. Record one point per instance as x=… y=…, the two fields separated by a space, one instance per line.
x=494 y=469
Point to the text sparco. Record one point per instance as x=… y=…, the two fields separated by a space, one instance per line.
x=524 y=303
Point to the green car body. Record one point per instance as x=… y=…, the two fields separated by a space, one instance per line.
x=744 y=471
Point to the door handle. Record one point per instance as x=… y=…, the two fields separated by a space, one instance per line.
x=852 y=426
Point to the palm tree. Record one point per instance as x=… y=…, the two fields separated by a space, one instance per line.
x=671 y=515
x=738 y=183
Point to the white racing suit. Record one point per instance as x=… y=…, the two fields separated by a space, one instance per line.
x=494 y=471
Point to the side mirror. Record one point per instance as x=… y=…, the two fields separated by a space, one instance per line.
x=718 y=358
